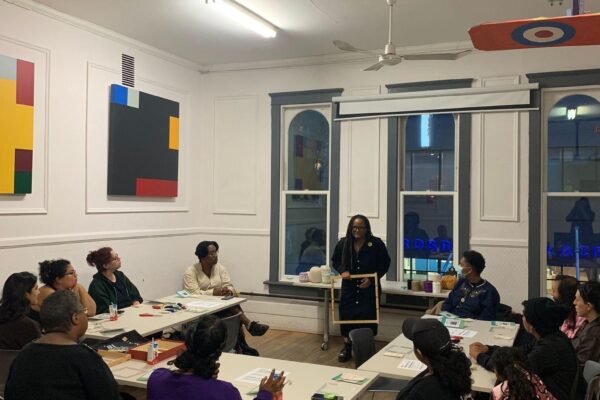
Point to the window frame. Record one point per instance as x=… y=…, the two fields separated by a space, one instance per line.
x=544 y=194
x=402 y=121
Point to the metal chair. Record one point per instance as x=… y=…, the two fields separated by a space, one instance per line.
x=6 y=359
x=591 y=373
x=363 y=348
x=232 y=324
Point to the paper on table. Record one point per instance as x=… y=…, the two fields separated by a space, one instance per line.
x=202 y=304
x=397 y=351
x=415 y=365
x=255 y=376
x=128 y=372
x=466 y=333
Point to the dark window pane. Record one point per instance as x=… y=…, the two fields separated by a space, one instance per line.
x=573 y=145
x=427 y=237
x=305 y=232
x=429 y=153
x=308 y=152
x=566 y=216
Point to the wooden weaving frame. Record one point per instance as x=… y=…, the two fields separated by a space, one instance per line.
x=358 y=321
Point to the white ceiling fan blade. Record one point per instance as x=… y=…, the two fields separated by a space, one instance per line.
x=392 y=61
x=375 y=67
x=437 y=56
x=340 y=44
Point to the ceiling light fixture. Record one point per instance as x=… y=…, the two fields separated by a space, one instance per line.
x=246 y=17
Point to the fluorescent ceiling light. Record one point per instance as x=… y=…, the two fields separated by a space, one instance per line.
x=245 y=17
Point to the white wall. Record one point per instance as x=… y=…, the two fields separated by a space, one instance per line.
x=225 y=169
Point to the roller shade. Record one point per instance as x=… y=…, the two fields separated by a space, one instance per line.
x=475 y=100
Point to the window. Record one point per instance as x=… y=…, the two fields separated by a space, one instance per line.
x=427 y=198
x=305 y=194
x=572 y=195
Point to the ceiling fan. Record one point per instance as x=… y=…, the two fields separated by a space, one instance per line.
x=390 y=57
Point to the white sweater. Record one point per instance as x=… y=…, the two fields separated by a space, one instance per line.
x=196 y=282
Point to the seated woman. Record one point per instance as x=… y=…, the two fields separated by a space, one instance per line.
x=209 y=278
x=551 y=355
x=16 y=328
x=517 y=380
x=473 y=296
x=448 y=373
x=587 y=340
x=198 y=369
x=109 y=285
x=564 y=288
x=60 y=275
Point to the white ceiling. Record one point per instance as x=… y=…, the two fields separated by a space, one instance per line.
x=193 y=30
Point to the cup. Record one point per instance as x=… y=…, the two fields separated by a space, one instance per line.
x=436 y=287
x=113 y=312
x=409 y=284
x=325 y=276
x=303 y=277
x=428 y=286
x=417 y=285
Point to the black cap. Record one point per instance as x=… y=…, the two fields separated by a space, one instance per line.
x=429 y=335
x=544 y=315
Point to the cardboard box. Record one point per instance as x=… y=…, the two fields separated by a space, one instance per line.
x=166 y=349
x=112 y=358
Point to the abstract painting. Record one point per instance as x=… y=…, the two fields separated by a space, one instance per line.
x=143 y=149
x=16 y=125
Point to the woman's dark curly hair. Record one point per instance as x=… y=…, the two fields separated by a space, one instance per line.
x=510 y=365
x=204 y=344
x=453 y=369
x=51 y=270
x=14 y=303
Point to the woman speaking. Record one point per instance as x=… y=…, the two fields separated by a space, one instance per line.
x=358 y=253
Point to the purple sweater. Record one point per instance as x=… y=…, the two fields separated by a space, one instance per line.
x=164 y=384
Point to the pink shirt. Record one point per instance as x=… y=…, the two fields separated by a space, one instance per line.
x=568 y=329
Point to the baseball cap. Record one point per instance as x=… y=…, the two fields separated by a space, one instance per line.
x=429 y=335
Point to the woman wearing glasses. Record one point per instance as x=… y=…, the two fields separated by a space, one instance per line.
x=109 y=285
x=60 y=275
x=358 y=253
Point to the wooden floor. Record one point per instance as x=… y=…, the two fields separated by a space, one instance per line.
x=296 y=346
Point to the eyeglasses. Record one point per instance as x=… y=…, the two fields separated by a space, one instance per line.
x=74 y=273
x=82 y=311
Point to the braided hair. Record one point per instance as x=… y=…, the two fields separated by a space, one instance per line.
x=349 y=242
x=453 y=369
x=204 y=344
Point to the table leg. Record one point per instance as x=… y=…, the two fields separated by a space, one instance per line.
x=325 y=344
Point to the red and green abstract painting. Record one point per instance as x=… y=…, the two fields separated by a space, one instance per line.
x=143 y=150
x=16 y=125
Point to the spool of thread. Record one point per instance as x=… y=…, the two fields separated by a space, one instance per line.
x=417 y=286
x=436 y=287
x=428 y=286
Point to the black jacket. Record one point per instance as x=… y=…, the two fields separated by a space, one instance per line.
x=426 y=387
x=552 y=358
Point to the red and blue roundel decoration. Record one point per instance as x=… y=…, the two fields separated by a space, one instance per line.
x=578 y=30
x=543 y=33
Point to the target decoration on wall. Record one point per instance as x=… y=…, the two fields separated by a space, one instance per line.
x=578 y=30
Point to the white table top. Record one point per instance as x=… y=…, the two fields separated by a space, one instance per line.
x=130 y=319
x=304 y=379
x=483 y=380
x=390 y=287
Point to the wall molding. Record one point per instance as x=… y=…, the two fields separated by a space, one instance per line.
x=132 y=201
x=44 y=208
x=224 y=211
x=493 y=242
x=87 y=26
x=53 y=240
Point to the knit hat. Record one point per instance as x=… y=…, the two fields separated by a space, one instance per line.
x=429 y=335
x=545 y=315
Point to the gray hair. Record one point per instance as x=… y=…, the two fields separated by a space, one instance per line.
x=57 y=310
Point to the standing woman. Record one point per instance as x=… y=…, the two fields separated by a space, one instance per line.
x=358 y=253
x=16 y=328
x=109 y=285
x=60 y=275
